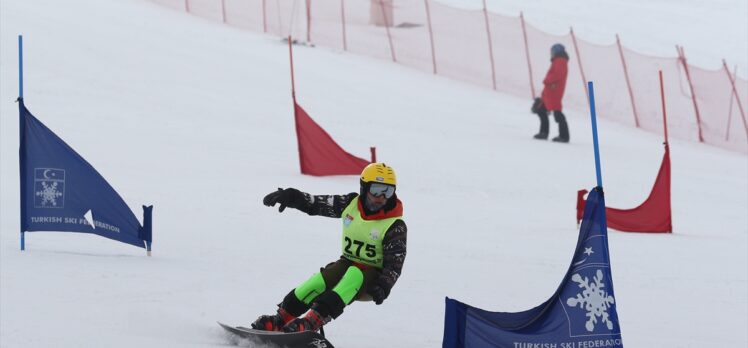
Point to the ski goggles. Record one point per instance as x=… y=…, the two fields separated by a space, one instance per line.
x=377 y=190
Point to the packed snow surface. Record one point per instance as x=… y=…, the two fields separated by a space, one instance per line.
x=195 y=118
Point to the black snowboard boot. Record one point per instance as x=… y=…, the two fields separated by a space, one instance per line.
x=326 y=307
x=288 y=310
x=312 y=321
x=273 y=322
x=541 y=136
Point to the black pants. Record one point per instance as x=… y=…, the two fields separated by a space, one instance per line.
x=558 y=116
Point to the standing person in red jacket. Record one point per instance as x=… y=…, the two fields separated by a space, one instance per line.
x=554 y=84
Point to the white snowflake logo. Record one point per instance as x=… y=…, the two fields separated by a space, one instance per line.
x=594 y=299
x=49 y=194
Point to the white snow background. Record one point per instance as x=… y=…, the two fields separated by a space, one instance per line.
x=196 y=118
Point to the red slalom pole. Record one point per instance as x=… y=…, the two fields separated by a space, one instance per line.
x=387 y=27
x=293 y=83
x=342 y=19
x=308 y=20
x=628 y=81
x=664 y=113
x=264 y=18
x=431 y=34
x=682 y=58
x=729 y=109
x=579 y=60
x=490 y=45
x=737 y=96
x=527 y=53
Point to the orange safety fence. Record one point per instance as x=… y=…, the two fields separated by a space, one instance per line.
x=508 y=55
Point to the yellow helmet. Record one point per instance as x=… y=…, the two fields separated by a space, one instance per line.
x=380 y=173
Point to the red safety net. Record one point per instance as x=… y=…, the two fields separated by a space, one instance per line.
x=652 y=216
x=715 y=99
x=319 y=154
x=507 y=54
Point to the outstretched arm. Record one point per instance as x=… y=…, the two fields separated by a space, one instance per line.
x=326 y=205
x=323 y=205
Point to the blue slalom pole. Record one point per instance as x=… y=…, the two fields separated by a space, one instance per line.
x=20 y=66
x=594 y=134
x=20 y=95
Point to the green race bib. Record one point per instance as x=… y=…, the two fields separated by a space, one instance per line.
x=362 y=239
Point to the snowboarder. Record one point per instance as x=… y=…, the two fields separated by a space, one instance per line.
x=554 y=85
x=374 y=246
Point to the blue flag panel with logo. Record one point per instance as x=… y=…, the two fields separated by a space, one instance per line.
x=581 y=313
x=60 y=191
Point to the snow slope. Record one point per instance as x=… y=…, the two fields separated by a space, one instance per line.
x=196 y=118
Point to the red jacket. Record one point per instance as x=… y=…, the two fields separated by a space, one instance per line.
x=554 y=84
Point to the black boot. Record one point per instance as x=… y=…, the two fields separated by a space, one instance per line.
x=563 y=128
x=543 y=133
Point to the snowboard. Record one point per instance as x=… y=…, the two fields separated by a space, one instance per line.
x=306 y=339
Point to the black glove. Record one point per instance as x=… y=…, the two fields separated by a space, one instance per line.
x=379 y=292
x=287 y=198
x=536 y=105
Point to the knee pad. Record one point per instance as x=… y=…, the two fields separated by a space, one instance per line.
x=310 y=289
x=350 y=284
